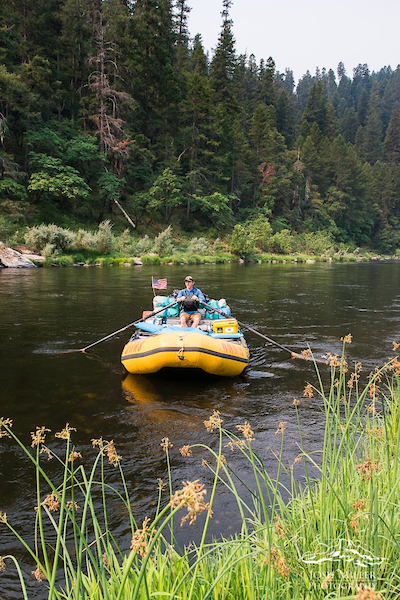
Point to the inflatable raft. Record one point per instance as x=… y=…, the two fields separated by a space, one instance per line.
x=217 y=346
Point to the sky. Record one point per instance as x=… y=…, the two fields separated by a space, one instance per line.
x=305 y=34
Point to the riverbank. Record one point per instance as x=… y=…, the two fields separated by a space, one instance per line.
x=336 y=534
x=68 y=260
x=90 y=259
x=51 y=245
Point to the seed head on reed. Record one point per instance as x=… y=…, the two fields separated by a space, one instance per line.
x=191 y=496
x=39 y=436
x=140 y=539
x=160 y=484
x=367 y=468
x=185 y=450
x=166 y=444
x=107 y=448
x=5 y=423
x=221 y=460
x=376 y=375
x=275 y=559
x=376 y=432
x=2 y=564
x=295 y=402
x=281 y=428
x=394 y=365
x=347 y=339
x=367 y=593
x=327 y=580
x=235 y=444
x=373 y=390
x=395 y=346
x=46 y=450
x=52 y=502
x=106 y=561
x=246 y=430
x=113 y=458
x=72 y=505
x=308 y=391
x=3 y=517
x=279 y=527
x=333 y=359
x=65 y=434
x=354 y=377
x=354 y=522
x=298 y=459
x=74 y=456
x=359 y=505
x=306 y=354
x=38 y=574
x=99 y=443
x=214 y=422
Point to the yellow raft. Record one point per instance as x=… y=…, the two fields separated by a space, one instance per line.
x=216 y=347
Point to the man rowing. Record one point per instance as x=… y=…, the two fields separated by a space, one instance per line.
x=190 y=297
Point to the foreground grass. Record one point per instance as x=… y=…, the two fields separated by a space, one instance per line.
x=337 y=536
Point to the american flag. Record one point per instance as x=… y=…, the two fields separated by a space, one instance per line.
x=158 y=284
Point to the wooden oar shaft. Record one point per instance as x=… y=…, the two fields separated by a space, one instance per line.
x=264 y=337
x=107 y=337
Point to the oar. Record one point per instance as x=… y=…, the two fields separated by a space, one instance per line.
x=264 y=337
x=107 y=337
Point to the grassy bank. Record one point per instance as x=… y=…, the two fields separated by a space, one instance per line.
x=336 y=535
x=103 y=247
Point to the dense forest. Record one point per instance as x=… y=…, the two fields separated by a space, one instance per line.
x=112 y=99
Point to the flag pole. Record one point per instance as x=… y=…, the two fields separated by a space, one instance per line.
x=152 y=286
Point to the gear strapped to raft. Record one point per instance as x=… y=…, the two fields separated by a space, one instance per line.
x=190 y=305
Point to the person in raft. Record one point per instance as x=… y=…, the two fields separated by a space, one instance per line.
x=190 y=298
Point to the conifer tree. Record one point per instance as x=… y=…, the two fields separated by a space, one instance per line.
x=154 y=82
x=373 y=131
x=316 y=110
x=224 y=62
x=266 y=86
x=182 y=34
x=391 y=146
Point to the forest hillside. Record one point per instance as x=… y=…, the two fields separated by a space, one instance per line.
x=112 y=99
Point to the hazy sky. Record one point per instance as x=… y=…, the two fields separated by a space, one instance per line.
x=304 y=34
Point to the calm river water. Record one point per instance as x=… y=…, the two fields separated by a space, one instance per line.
x=43 y=311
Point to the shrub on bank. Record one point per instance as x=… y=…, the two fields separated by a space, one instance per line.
x=283 y=246
x=336 y=537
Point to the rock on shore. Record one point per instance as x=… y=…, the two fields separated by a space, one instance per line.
x=12 y=258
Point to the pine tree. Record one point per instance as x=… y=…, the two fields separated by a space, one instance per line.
x=391 y=146
x=182 y=34
x=316 y=110
x=303 y=90
x=224 y=62
x=373 y=131
x=266 y=86
x=77 y=44
x=153 y=74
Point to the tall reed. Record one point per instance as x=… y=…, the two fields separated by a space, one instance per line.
x=337 y=536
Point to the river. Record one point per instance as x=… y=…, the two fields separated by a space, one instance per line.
x=44 y=311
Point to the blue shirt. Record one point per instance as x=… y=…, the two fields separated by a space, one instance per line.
x=189 y=294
